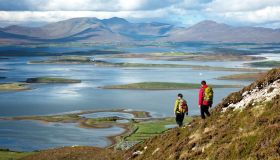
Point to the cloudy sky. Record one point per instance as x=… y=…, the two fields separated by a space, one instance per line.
x=264 y=13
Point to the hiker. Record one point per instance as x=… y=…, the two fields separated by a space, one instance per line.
x=205 y=99
x=180 y=109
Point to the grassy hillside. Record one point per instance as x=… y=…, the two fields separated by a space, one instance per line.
x=245 y=125
x=75 y=153
x=249 y=133
x=6 y=154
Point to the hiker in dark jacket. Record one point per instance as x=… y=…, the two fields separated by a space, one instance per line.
x=205 y=99
x=180 y=109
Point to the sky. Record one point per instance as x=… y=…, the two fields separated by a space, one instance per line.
x=260 y=13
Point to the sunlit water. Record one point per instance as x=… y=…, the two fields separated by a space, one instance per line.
x=31 y=135
x=46 y=99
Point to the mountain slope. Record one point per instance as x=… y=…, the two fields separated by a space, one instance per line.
x=248 y=132
x=92 y=29
x=210 y=31
x=120 y=30
x=76 y=29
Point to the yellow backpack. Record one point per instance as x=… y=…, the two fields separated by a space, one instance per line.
x=208 y=94
x=183 y=107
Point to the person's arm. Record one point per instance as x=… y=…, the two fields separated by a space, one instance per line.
x=200 y=97
x=187 y=108
x=176 y=106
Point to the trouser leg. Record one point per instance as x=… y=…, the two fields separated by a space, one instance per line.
x=202 y=112
x=207 y=110
x=179 y=119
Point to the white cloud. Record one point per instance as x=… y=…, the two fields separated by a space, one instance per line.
x=84 y=5
x=257 y=16
x=181 y=12
x=240 y=5
x=53 y=16
x=130 y=5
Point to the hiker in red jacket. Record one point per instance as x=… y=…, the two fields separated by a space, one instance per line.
x=205 y=100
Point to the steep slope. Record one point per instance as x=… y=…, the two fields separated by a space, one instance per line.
x=75 y=153
x=251 y=131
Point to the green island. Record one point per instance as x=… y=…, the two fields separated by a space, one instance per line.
x=184 y=56
x=21 y=86
x=51 y=80
x=64 y=60
x=164 y=86
x=195 y=67
x=13 y=86
x=244 y=76
x=6 y=154
x=266 y=64
x=102 y=63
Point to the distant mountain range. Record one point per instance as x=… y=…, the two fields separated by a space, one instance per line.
x=118 y=30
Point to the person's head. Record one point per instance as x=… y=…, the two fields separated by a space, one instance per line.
x=203 y=83
x=180 y=95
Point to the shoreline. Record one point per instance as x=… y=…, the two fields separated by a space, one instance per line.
x=14 y=86
x=185 y=56
x=114 y=139
x=81 y=61
x=154 y=86
x=101 y=123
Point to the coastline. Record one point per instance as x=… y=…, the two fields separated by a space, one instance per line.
x=163 y=86
x=104 y=122
x=114 y=140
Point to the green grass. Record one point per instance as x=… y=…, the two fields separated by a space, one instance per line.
x=244 y=76
x=144 y=130
x=140 y=114
x=267 y=64
x=13 y=86
x=195 y=67
x=163 y=86
x=51 y=80
x=10 y=155
x=64 y=59
x=170 y=54
x=54 y=118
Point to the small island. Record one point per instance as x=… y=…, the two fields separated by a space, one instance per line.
x=265 y=64
x=65 y=60
x=164 y=86
x=102 y=63
x=51 y=80
x=243 y=77
x=13 y=86
x=183 y=56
